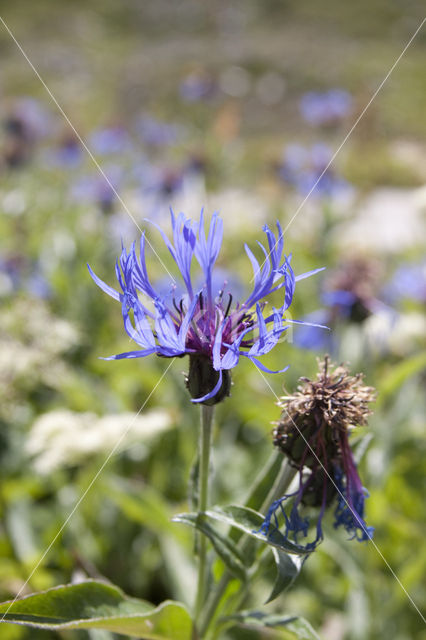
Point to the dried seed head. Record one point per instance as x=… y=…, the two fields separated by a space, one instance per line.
x=314 y=433
x=333 y=403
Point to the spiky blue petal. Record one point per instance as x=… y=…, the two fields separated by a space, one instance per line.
x=197 y=323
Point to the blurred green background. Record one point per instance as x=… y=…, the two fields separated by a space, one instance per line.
x=193 y=105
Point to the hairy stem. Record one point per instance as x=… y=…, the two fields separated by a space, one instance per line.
x=282 y=482
x=203 y=498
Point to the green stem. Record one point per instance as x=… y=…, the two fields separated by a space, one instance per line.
x=203 y=499
x=278 y=489
x=280 y=486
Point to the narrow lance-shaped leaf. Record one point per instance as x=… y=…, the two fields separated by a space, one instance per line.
x=250 y=521
x=288 y=568
x=224 y=547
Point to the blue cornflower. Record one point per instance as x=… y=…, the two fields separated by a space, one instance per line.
x=197 y=86
x=96 y=189
x=350 y=295
x=307 y=169
x=110 y=140
x=212 y=329
x=314 y=433
x=156 y=133
x=326 y=109
x=407 y=283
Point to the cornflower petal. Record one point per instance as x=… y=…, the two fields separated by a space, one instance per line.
x=166 y=332
x=139 y=272
x=232 y=355
x=185 y=240
x=207 y=251
x=142 y=325
x=215 y=333
x=187 y=321
x=308 y=274
x=211 y=393
x=256 y=267
x=276 y=246
x=102 y=285
x=271 y=271
x=119 y=276
x=217 y=345
x=132 y=354
x=306 y=324
x=261 y=366
x=267 y=339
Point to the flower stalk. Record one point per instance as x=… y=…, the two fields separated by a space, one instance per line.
x=203 y=499
x=280 y=486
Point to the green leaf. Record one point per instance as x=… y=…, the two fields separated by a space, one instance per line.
x=224 y=547
x=398 y=374
x=288 y=568
x=299 y=627
x=250 y=521
x=97 y=605
x=145 y=507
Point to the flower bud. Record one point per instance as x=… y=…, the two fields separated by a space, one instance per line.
x=202 y=379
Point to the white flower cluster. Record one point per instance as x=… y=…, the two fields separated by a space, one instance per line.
x=32 y=341
x=389 y=220
x=62 y=437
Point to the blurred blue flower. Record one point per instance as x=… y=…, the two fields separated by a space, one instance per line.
x=309 y=336
x=35 y=119
x=303 y=167
x=11 y=268
x=325 y=109
x=196 y=86
x=407 y=283
x=155 y=133
x=69 y=152
x=110 y=140
x=349 y=296
x=213 y=329
x=96 y=189
x=17 y=273
x=314 y=433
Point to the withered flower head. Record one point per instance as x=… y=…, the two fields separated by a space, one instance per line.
x=314 y=433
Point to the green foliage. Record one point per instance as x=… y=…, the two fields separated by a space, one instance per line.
x=250 y=521
x=293 y=627
x=95 y=605
x=288 y=568
x=224 y=547
x=107 y=64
